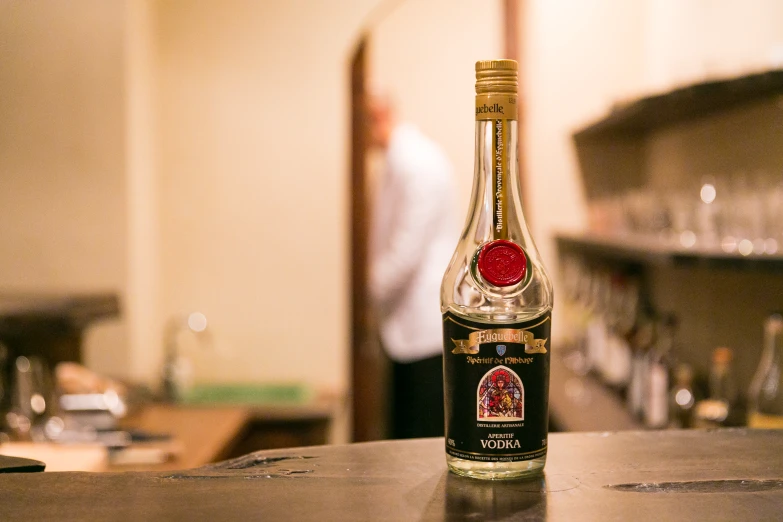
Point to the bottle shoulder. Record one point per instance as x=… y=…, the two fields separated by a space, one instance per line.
x=464 y=294
x=496 y=317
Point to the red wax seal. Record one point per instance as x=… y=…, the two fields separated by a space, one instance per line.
x=502 y=263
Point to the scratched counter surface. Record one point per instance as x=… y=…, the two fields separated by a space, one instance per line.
x=668 y=475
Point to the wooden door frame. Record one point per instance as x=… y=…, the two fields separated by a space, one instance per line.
x=367 y=364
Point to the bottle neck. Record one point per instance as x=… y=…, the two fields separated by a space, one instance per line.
x=721 y=382
x=496 y=204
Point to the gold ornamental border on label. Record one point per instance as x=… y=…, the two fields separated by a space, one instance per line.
x=499 y=335
x=511 y=335
x=496 y=106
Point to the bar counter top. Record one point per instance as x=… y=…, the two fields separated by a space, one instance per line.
x=634 y=475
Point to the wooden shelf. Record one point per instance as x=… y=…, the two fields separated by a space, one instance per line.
x=651 y=251
x=686 y=103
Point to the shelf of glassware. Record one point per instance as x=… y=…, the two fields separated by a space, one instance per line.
x=744 y=254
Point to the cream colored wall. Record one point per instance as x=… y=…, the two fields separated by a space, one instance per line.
x=62 y=156
x=142 y=298
x=252 y=161
x=689 y=41
x=423 y=55
x=195 y=154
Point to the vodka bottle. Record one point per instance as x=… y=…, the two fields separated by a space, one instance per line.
x=496 y=300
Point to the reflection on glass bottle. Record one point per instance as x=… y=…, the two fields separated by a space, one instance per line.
x=493 y=500
x=765 y=397
x=681 y=398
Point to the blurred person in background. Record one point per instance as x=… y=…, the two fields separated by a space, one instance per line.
x=412 y=239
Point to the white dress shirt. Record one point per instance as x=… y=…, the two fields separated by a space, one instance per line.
x=413 y=237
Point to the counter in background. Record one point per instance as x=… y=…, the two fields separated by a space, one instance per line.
x=199 y=435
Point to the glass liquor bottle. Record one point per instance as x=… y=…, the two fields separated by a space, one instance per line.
x=642 y=341
x=496 y=300
x=681 y=398
x=656 y=405
x=765 y=397
x=721 y=407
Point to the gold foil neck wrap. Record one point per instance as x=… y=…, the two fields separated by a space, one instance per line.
x=496 y=77
x=495 y=106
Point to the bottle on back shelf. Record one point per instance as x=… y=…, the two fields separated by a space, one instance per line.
x=656 y=405
x=641 y=342
x=597 y=333
x=681 y=398
x=721 y=406
x=622 y=314
x=575 y=314
x=765 y=397
x=496 y=301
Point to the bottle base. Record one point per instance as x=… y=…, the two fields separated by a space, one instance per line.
x=496 y=470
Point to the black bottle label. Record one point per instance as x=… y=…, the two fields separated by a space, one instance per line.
x=496 y=379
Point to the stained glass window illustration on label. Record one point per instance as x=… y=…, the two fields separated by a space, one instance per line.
x=501 y=396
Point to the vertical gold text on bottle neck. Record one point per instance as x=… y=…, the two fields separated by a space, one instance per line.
x=496 y=107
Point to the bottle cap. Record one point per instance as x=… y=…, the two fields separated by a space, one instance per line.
x=502 y=263
x=496 y=76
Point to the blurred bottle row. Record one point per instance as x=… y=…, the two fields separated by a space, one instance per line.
x=614 y=334
x=738 y=214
